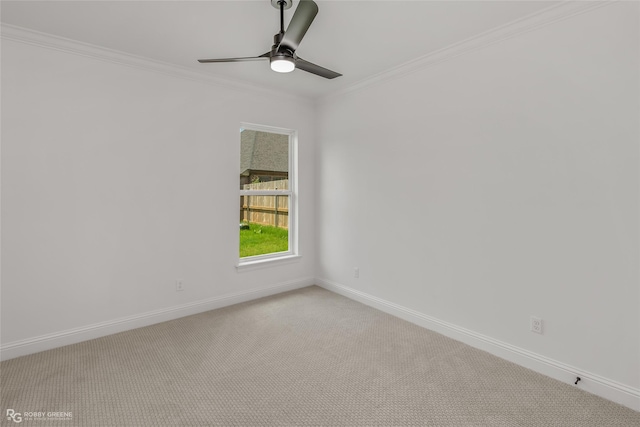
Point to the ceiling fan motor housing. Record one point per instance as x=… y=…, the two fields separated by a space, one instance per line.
x=282 y=62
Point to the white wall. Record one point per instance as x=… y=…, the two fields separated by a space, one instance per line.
x=118 y=180
x=500 y=184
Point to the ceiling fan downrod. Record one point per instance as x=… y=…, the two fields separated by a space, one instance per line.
x=281 y=3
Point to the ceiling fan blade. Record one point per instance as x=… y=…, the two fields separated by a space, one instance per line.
x=300 y=22
x=315 y=69
x=243 y=59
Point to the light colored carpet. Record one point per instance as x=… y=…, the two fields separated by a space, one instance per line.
x=305 y=358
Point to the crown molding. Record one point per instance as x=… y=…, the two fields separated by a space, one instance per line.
x=49 y=41
x=534 y=21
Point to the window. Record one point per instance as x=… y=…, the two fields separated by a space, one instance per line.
x=267 y=194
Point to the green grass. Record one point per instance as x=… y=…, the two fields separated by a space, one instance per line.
x=263 y=239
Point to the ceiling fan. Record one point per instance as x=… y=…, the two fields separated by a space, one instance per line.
x=282 y=55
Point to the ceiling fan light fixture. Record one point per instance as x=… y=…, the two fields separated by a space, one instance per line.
x=282 y=64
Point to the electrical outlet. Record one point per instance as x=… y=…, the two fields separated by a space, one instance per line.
x=356 y=272
x=536 y=325
x=179 y=285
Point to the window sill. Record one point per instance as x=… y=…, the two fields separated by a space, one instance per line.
x=269 y=262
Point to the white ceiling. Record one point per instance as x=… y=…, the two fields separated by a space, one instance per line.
x=359 y=39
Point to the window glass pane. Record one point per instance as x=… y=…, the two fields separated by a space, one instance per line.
x=264 y=219
x=264 y=157
x=264 y=225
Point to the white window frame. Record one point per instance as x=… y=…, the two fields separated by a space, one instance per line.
x=291 y=254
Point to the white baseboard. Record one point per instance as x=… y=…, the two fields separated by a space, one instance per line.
x=592 y=383
x=97 y=330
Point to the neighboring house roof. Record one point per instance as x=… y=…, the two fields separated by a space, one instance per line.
x=263 y=151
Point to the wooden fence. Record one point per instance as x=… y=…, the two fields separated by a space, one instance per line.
x=266 y=210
